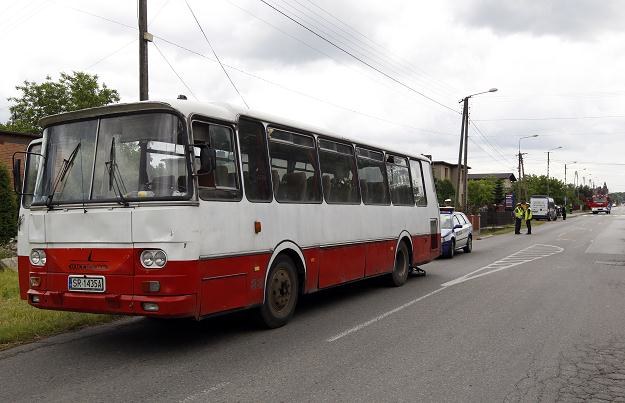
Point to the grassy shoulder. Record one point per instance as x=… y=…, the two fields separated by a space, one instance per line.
x=21 y=323
x=507 y=229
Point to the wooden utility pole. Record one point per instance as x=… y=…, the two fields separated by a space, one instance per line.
x=458 y=201
x=144 y=38
x=465 y=192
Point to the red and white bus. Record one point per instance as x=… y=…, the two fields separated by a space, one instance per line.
x=181 y=209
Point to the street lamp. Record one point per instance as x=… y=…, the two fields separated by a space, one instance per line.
x=464 y=142
x=548 y=152
x=521 y=161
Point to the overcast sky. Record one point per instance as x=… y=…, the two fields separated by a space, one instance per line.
x=559 y=66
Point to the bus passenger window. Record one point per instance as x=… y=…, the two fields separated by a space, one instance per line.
x=294 y=167
x=221 y=182
x=399 y=178
x=373 y=178
x=417 y=183
x=338 y=172
x=253 y=143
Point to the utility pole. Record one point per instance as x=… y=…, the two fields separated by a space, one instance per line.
x=548 y=173
x=144 y=38
x=465 y=192
x=459 y=170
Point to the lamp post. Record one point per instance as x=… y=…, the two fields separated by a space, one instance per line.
x=464 y=142
x=521 y=179
x=548 y=152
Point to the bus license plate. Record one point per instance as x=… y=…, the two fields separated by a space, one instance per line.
x=86 y=283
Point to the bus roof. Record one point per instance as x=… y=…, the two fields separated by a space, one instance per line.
x=217 y=110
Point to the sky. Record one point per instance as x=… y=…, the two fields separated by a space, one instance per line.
x=388 y=72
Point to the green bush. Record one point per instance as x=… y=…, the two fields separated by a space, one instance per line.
x=8 y=207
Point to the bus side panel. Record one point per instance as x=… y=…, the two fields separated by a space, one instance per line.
x=232 y=282
x=341 y=264
x=23 y=268
x=311 y=256
x=380 y=257
x=420 y=249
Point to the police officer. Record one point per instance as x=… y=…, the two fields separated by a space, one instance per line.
x=527 y=216
x=564 y=212
x=519 y=214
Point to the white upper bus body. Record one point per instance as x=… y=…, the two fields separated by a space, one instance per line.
x=124 y=180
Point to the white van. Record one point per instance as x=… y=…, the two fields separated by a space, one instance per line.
x=543 y=208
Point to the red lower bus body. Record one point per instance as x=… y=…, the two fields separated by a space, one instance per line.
x=196 y=288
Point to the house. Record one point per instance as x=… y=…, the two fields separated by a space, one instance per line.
x=10 y=143
x=446 y=170
x=506 y=177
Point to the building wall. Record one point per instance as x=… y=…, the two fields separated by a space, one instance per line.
x=11 y=143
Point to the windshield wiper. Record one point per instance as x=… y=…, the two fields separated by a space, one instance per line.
x=67 y=166
x=114 y=183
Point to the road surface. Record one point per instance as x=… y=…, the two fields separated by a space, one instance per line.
x=522 y=318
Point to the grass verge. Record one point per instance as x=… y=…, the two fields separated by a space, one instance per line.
x=506 y=229
x=21 y=323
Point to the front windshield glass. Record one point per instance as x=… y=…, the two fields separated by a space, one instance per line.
x=446 y=222
x=124 y=158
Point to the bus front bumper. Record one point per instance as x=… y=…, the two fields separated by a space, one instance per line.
x=176 y=306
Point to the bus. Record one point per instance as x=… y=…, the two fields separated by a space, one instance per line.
x=182 y=209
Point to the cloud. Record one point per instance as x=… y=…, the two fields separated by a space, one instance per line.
x=571 y=19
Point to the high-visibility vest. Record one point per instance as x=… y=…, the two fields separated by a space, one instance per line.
x=528 y=214
x=518 y=212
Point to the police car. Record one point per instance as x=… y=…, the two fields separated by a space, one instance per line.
x=456 y=232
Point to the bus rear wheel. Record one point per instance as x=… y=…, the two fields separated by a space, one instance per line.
x=281 y=293
x=402 y=262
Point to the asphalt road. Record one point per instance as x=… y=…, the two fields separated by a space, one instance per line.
x=522 y=318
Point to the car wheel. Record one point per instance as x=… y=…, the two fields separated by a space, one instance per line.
x=281 y=293
x=402 y=262
x=452 y=249
x=469 y=247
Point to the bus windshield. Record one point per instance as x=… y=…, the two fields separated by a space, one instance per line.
x=123 y=158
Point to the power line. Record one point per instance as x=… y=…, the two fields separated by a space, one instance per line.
x=339 y=35
x=383 y=49
x=215 y=54
x=111 y=54
x=174 y=70
x=359 y=59
x=550 y=118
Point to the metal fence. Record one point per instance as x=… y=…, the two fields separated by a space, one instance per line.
x=489 y=219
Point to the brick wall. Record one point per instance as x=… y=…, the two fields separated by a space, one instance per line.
x=10 y=143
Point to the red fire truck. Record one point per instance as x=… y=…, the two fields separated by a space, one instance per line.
x=600 y=203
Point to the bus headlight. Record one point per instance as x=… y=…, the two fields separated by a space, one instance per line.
x=153 y=258
x=38 y=257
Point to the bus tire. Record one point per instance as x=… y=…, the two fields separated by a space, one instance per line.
x=281 y=293
x=402 y=262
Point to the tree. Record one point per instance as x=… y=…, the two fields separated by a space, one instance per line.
x=480 y=193
x=498 y=192
x=8 y=207
x=69 y=93
x=444 y=190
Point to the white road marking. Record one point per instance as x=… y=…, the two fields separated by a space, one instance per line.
x=534 y=252
x=202 y=395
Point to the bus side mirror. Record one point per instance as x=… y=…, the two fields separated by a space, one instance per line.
x=17 y=175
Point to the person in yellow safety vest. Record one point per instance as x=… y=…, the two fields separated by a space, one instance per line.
x=527 y=216
x=519 y=214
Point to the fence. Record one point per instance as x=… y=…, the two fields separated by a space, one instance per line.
x=489 y=219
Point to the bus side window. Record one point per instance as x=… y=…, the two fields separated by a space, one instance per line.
x=253 y=143
x=294 y=167
x=373 y=178
x=399 y=178
x=338 y=172
x=418 y=186
x=222 y=182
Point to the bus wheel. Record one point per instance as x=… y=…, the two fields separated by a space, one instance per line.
x=281 y=292
x=400 y=271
